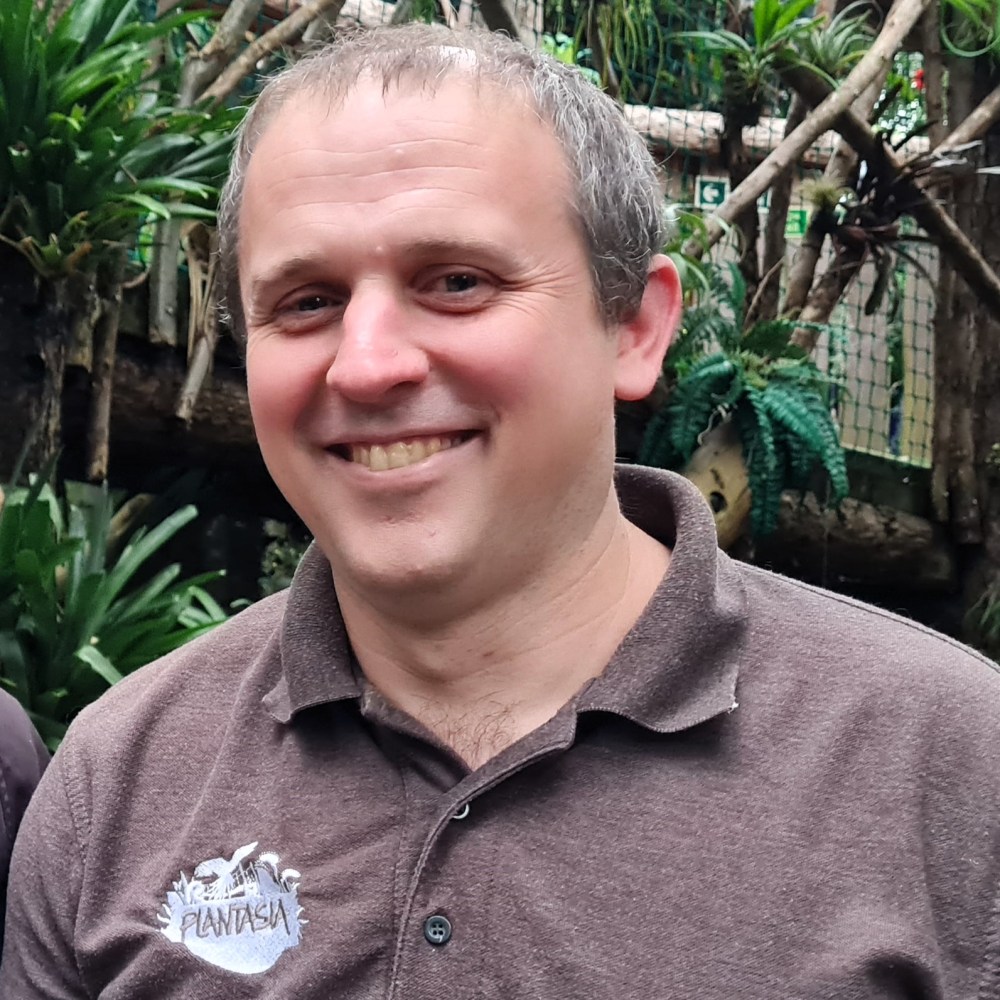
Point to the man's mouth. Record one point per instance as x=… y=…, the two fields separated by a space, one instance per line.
x=398 y=454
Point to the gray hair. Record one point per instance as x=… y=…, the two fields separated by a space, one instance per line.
x=615 y=192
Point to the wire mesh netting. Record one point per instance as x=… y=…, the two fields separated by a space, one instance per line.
x=674 y=92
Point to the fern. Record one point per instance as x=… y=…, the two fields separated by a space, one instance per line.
x=776 y=397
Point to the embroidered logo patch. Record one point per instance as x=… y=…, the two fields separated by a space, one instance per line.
x=238 y=913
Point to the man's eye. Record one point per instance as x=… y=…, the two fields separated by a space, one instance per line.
x=312 y=303
x=456 y=283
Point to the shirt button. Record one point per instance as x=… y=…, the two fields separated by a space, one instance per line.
x=463 y=812
x=437 y=929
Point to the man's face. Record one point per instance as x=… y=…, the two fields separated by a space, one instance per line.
x=431 y=383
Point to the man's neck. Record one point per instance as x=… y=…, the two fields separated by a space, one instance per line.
x=485 y=679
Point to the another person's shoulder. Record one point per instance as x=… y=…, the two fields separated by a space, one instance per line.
x=23 y=758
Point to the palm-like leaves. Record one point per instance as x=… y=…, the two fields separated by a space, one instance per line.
x=72 y=618
x=89 y=148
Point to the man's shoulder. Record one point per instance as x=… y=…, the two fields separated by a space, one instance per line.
x=852 y=646
x=191 y=681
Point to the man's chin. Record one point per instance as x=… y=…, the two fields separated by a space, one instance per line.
x=404 y=580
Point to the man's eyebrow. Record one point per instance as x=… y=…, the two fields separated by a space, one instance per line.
x=289 y=270
x=458 y=247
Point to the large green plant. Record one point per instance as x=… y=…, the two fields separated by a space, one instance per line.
x=781 y=35
x=776 y=397
x=90 y=144
x=73 y=619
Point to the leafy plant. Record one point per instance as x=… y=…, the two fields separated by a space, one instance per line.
x=832 y=48
x=280 y=558
x=90 y=146
x=73 y=619
x=756 y=377
x=564 y=48
x=749 y=65
x=684 y=223
x=976 y=28
x=622 y=38
x=781 y=35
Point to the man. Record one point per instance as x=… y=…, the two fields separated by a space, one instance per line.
x=500 y=739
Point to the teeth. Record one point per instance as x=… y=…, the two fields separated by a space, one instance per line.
x=381 y=458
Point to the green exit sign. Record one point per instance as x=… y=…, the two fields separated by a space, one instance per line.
x=710 y=192
x=796 y=223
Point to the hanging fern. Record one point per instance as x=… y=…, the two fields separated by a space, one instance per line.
x=777 y=399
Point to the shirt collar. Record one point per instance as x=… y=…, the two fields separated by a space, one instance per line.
x=316 y=659
x=676 y=667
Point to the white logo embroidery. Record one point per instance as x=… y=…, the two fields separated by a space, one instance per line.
x=236 y=913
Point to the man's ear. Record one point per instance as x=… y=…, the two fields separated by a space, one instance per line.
x=643 y=340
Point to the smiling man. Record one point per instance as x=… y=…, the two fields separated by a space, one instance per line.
x=518 y=729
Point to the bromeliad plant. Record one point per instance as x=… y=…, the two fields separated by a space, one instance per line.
x=73 y=619
x=91 y=144
x=776 y=398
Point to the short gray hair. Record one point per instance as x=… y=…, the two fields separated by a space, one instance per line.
x=615 y=192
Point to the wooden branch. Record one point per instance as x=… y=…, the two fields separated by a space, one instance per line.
x=902 y=17
x=775 y=244
x=203 y=66
x=498 y=16
x=203 y=326
x=283 y=33
x=679 y=130
x=975 y=125
x=827 y=292
x=933 y=73
x=861 y=544
x=102 y=374
x=163 y=271
x=802 y=272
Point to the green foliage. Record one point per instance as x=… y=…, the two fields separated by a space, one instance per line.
x=620 y=38
x=90 y=145
x=780 y=35
x=902 y=107
x=280 y=558
x=684 y=223
x=748 y=65
x=834 y=47
x=974 y=30
x=776 y=397
x=73 y=620
x=564 y=48
x=982 y=622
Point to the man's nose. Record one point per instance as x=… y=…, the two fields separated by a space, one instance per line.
x=376 y=352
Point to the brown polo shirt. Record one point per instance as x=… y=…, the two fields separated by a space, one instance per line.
x=771 y=792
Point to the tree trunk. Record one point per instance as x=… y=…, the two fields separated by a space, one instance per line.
x=34 y=343
x=859 y=544
x=956 y=344
x=775 y=245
